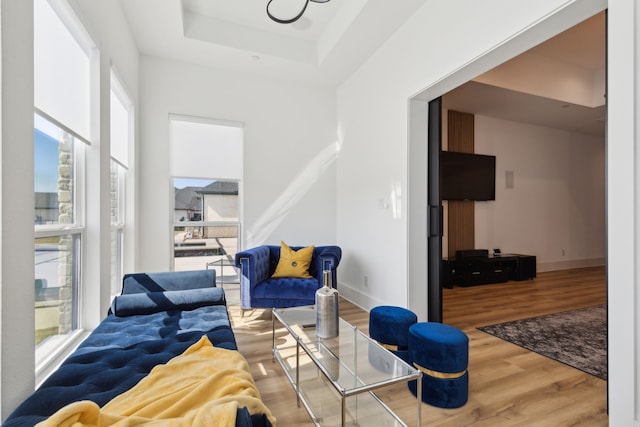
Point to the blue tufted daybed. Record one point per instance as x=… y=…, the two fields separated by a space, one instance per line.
x=259 y=290
x=156 y=318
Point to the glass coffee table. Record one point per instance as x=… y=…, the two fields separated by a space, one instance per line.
x=335 y=378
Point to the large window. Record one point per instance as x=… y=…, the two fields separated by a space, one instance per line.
x=62 y=75
x=206 y=226
x=206 y=166
x=121 y=140
x=58 y=232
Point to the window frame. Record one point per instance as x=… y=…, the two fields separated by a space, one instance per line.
x=118 y=228
x=119 y=233
x=71 y=22
x=77 y=230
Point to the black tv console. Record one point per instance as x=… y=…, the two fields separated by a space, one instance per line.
x=477 y=267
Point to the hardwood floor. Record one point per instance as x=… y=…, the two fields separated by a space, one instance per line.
x=509 y=386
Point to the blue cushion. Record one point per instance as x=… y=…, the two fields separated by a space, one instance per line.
x=442 y=351
x=153 y=302
x=168 y=281
x=443 y=393
x=285 y=292
x=119 y=353
x=438 y=347
x=389 y=326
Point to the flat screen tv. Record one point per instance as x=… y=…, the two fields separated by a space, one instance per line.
x=465 y=176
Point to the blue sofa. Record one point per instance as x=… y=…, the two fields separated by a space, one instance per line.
x=259 y=290
x=156 y=318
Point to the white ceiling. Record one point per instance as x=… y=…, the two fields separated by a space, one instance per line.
x=492 y=101
x=583 y=46
x=332 y=39
x=327 y=44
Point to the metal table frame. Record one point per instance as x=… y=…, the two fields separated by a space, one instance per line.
x=414 y=374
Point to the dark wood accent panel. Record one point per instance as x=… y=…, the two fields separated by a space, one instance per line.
x=461 y=216
x=461 y=226
x=460 y=132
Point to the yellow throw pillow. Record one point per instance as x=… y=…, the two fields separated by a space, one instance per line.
x=294 y=263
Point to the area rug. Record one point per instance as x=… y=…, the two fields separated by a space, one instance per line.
x=577 y=338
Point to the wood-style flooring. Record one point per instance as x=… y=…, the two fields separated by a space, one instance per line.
x=509 y=386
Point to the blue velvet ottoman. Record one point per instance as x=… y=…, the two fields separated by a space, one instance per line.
x=441 y=352
x=390 y=327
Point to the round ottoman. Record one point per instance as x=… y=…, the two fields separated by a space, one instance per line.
x=441 y=352
x=389 y=326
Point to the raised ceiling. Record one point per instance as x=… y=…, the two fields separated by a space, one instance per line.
x=492 y=101
x=581 y=48
x=332 y=39
x=327 y=44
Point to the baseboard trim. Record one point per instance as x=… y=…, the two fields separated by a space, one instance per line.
x=570 y=264
x=358 y=298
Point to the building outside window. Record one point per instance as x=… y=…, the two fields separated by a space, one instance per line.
x=206 y=226
x=62 y=75
x=58 y=233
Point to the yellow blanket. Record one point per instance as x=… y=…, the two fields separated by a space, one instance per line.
x=204 y=386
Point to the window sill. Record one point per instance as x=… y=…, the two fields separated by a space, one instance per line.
x=52 y=353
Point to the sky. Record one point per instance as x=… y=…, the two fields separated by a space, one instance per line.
x=46 y=163
x=189 y=182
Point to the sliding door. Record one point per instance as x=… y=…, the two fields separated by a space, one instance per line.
x=434 y=241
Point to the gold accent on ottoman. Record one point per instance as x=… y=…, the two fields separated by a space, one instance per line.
x=389 y=346
x=436 y=374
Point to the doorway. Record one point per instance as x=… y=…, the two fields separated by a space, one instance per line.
x=487 y=83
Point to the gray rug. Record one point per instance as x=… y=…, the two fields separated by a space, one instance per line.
x=577 y=338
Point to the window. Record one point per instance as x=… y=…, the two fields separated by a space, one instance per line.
x=62 y=75
x=58 y=233
x=206 y=167
x=118 y=175
x=206 y=226
x=121 y=140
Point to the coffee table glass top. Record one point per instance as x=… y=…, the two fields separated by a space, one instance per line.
x=352 y=360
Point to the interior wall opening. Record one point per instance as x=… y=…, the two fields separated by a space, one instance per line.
x=586 y=117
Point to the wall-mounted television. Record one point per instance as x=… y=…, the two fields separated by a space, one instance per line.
x=466 y=176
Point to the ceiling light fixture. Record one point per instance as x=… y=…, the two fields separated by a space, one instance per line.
x=296 y=17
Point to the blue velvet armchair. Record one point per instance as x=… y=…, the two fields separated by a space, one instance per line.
x=259 y=290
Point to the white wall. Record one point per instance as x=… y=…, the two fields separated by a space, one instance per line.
x=17 y=358
x=437 y=41
x=444 y=45
x=556 y=208
x=116 y=47
x=107 y=24
x=108 y=27
x=623 y=216
x=290 y=147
